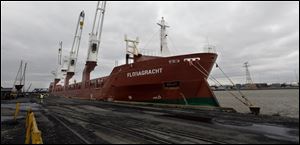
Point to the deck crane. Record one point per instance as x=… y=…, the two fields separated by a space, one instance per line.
x=74 y=49
x=57 y=73
x=94 y=42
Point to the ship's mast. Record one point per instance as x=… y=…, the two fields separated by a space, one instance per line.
x=163 y=36
x=94 y=41
x=75 y=48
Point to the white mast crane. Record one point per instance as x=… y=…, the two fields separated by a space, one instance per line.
x=95 y=35
x=94 y=42
x=163 y=37
x=75 y=48
x=58 y=70
x=57 y=74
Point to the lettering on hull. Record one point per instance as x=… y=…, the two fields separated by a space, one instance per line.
x=144 y=72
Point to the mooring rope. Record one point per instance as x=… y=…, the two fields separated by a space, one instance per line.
x=242 y=95
x=216 y=81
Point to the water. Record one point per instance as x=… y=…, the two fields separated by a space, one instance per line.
x=272 y=102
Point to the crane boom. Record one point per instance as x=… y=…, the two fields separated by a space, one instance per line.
x=19 y=75
x=94 y=42
x=23 y=77
x=57 y=73
x=95 y=35
x=20 y=78
x=76 y=43
x=75 y=48
x=28 y=87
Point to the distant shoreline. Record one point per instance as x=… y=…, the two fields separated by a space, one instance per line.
x=255 y=89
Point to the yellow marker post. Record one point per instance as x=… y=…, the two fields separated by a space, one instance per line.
x=27 y=116
x=28 y=128
x=36 y=137
x=33 y=134
x=17 y=111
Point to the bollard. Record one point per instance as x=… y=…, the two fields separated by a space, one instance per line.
x=254 y=110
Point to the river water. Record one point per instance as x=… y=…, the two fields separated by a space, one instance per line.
x=283 y=102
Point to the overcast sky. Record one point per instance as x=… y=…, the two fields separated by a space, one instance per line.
x=266 y=34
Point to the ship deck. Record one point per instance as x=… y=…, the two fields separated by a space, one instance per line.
x=65 y=120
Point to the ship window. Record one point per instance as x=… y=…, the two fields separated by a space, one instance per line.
x=94 y=47
x=171 y=84
x=72 y=62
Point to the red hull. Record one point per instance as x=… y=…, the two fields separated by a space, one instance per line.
x=151 y=79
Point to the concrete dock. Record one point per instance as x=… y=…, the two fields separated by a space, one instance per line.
x=65 y=120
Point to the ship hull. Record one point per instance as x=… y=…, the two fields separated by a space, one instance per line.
x=174 y=80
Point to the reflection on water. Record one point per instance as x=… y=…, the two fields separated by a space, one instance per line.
x=272 y=102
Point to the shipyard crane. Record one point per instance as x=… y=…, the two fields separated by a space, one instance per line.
x=94 y=42
x=74 y=49
x=28 y=88
x=27 y=91
x=20 y=80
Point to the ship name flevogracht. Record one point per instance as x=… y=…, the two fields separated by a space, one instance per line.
x=144 y=72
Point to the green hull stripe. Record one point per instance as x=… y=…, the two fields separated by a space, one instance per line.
x=190 y=101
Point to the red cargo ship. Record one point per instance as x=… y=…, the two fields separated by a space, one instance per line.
x=180 y=79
